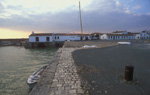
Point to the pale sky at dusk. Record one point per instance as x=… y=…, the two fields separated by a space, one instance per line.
x=18 y=18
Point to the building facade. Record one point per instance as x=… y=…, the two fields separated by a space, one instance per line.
x=117 y=36
x=57 y=39
x=41 y=37
x=124 y=35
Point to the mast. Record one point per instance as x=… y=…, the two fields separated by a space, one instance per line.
x=80 y=18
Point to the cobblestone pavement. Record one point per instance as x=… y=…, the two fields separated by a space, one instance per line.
x=98 y=43
x=66 y=80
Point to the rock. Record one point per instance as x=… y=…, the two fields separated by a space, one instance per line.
x=87 y=92
x=93 y=81
x=106 y=91
x=72 y=91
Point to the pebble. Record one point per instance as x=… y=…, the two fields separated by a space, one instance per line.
x=106 y=91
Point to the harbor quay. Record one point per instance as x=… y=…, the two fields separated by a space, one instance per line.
x=61 y=76
x=115 y=70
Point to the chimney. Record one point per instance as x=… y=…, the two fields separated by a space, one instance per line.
x=32 y=32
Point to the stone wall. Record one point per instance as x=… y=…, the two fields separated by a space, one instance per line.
x=43 y=44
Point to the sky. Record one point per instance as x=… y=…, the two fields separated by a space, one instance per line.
x=18 y=18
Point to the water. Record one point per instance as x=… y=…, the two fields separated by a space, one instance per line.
x=16 y=65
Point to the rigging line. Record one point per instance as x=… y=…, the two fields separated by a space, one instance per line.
x=77 y=23
x=85 y=19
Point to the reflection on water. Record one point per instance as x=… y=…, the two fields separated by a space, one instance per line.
x=16 y=65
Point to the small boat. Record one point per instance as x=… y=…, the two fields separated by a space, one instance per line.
x=88 y=46
x=32 y=80
x=124 y=43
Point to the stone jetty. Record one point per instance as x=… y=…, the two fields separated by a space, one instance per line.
x=66 y=80
x=61 y=77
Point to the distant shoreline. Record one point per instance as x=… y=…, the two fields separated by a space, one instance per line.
x=13 y=42
x=14 y=39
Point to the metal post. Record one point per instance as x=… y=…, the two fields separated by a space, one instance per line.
x=128 y=76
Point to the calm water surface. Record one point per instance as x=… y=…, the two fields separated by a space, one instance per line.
x=16 y=65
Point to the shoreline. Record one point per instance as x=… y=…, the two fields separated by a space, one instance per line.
x=43 y=85
x=49 y=83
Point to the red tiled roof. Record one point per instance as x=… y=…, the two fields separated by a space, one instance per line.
x=135 y=33
x=98 y=33
x=120 y=34
x=49 y=34
x=41 y=34
x=118 y=31
x=70 y=34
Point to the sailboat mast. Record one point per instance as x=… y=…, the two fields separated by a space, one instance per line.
x=80 y=18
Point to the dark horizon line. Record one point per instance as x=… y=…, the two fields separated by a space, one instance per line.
x=3 y=39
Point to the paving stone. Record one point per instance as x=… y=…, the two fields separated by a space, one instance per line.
x=66 y=80
x=80 y=91
x=59 y=85
x=72 y=91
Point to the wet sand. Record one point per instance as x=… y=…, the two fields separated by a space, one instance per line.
x=103 y=68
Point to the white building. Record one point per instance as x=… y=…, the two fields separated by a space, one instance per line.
x=119 y=35
x=144 y=35
x=65 y=37
x=51 y=37
x=96 y=35
x=58 y=37
x=124 y=35
x=41 y=37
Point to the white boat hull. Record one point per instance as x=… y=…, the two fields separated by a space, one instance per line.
x=124 y=43
x=34 y=77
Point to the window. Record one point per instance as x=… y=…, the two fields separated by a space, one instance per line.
x=47 y=39
x=37 y=39
x=58 y=37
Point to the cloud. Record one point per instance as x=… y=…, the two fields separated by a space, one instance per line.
x=117 y=21
x=1 y=7
x=44 y=6
x=148 y=14
x=97 y=16
x=69 y=22
x=137 y=7
x=104 y=6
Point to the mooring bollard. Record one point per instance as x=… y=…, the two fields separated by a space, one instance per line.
x=128 y=76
